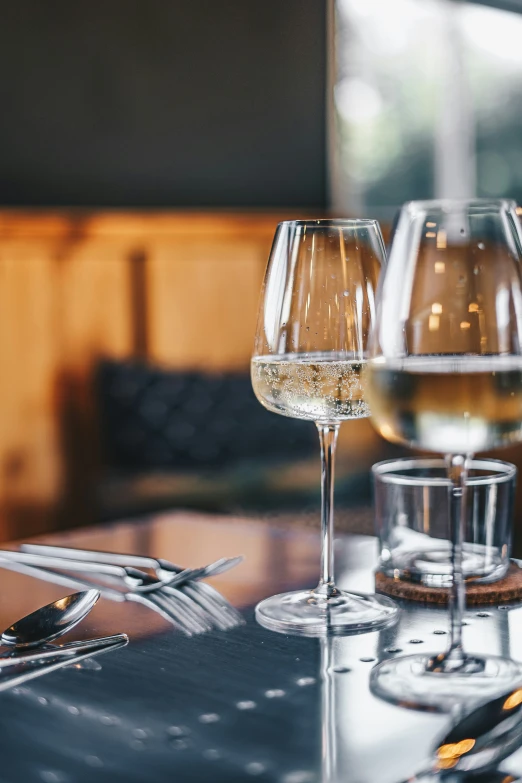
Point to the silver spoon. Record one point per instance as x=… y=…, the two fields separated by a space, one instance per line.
x=480 y=740
x=50 y=621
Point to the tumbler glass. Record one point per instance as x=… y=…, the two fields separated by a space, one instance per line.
x=411 y=520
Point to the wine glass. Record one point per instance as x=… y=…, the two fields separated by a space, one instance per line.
x=445 y=375
x=317 y=304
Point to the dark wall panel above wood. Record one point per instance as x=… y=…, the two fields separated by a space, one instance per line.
x=162 y=102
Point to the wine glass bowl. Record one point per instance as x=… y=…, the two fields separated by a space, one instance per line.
x=315 y=317
x=445 y=376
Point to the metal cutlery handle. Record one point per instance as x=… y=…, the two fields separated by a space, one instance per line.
x=59 y=579
x=108 y=559
x=66 y=650
x=94 y=555
x=62 y=562
x=9 y=680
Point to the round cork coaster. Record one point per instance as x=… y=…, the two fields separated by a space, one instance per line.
x=507 y=589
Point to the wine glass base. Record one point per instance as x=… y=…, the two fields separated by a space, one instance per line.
x=308 y=613
x=406 y=682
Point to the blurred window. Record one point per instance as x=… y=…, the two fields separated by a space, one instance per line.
x=427 y=102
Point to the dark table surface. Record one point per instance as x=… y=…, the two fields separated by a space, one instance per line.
x=246 y=704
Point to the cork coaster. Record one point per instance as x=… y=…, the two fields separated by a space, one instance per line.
x=507 y=589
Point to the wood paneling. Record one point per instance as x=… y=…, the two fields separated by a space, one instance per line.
x=202 y=301
x=29 y=462
x=179 y=288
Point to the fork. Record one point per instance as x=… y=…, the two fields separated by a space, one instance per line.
x=141 y=582
x=162 y=568
x=167 y=607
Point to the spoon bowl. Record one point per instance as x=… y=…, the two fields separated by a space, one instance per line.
x=478 y=742
x=484 y=737
x=50 y=621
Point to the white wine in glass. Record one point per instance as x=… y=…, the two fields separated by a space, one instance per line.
x=445 y=375
x=310 y=353
x=321 y=387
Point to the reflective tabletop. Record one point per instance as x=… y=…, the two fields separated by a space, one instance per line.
x=238 y=705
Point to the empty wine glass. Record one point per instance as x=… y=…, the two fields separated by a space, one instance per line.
x=316 y=309
x=445 y=375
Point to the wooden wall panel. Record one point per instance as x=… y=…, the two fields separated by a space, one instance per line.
x=180 y=288
x=30 y=464
x=94 y=306
x=202 y=302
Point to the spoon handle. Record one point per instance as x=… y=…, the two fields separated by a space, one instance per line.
x=59 y=579
x=66 y=650
x=10 y=680
x=93 y=555
x=49 y=561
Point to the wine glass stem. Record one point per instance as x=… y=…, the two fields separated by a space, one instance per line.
x=328 y=439
x=457 y=468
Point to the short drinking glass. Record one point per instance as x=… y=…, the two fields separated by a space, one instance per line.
x=411 y=520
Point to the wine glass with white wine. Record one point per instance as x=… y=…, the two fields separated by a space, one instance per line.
x=316 y=309
x=445 y=375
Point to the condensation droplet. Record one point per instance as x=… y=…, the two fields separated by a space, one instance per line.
x=416 y=641
x=209 y=717
x=43 y=700
x=367 y=659
x=139 y=733
x=275 y=693
x=303 y=681
x=299 y=776
x=393 y=650
x=179 y=744
x=73 y=710
x=137 y=744
x=481 y=245
x=178 y=731
x=93 y=761
x=246 y=705
x=109 y=720
x=483 y=614
x=90 y=665
x=341 y=669
x=255 y=768
x=52 y=776
x=211 y=754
